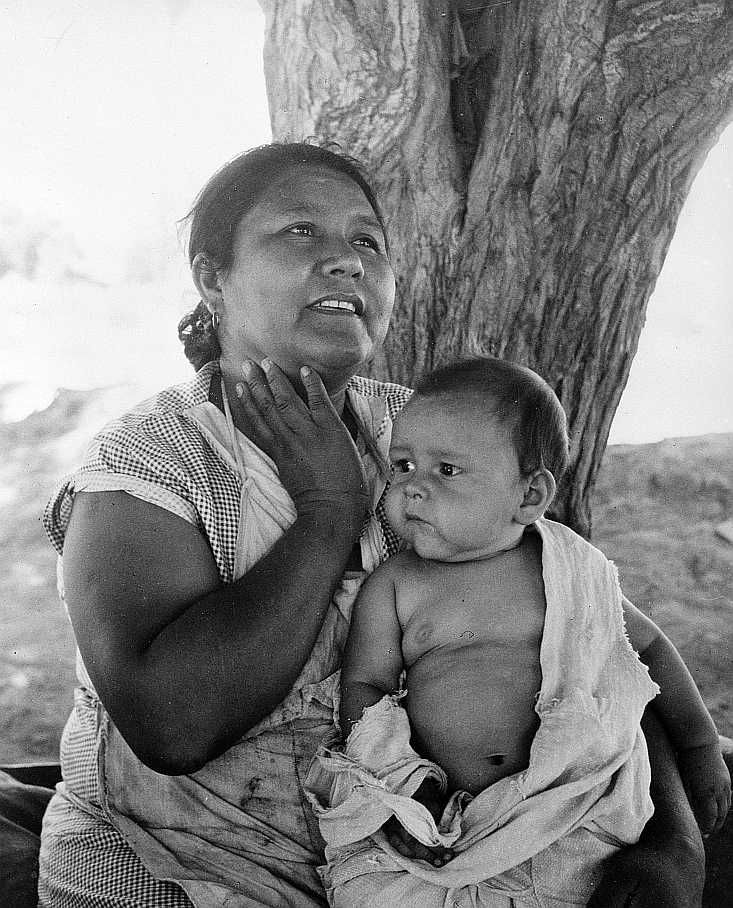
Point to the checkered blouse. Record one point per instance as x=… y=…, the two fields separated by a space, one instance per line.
x=156 y=452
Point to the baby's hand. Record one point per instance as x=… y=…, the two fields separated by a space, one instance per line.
x=408 y=846
x=429 y=795
x=707 y=782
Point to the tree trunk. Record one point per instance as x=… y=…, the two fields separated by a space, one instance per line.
x=532 y=159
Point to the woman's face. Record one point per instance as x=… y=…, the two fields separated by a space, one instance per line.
x=311 y=283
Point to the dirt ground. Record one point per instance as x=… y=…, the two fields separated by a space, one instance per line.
x=656 y=510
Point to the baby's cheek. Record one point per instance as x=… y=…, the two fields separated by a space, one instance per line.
x=393 y=508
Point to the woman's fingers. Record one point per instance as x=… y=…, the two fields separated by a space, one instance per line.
x=262 y=434
x=316 y=457
x=258 y=387
x=282 y=392
x=273 y=396
x=319 y=403
x=271 y=388
x=722 y=808
x=276 y=397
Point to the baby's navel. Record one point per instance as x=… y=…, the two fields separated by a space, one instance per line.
x=424 y=632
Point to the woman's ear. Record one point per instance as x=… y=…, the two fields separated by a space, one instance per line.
x=539 y=490
x=206 y=278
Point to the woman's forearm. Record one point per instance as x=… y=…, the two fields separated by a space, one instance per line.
x=186 y=665
x=666 y=868
x=673 y=820
x=262 y=629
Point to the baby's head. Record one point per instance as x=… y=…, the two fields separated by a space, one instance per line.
x=516 y=397
x=476 y=454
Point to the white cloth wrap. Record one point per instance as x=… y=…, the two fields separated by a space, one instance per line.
x=588 y=767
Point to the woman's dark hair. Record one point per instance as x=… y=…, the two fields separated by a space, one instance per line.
x=518 y=398
x=222 y=203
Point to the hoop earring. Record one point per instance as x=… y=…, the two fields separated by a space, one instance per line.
x=215 y=320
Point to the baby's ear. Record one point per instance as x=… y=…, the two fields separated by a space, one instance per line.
x=539 y=490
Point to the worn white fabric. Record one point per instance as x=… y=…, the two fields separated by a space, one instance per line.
x=534 y=838
x=239 y=832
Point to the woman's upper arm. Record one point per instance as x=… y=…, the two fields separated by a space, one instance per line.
x=130 y=568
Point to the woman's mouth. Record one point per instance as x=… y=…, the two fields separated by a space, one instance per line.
x=339 y=305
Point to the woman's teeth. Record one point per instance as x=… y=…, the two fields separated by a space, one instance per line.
x=335 y=304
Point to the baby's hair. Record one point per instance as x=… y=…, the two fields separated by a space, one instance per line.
x=230 y=193
x=522 y=402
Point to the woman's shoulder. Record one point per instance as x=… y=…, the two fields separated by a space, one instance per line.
x=395 y=396
x=155 y=451
x=163 y=417
x=155 y=442
x=175 y=399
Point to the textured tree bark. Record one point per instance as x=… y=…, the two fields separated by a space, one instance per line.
x=532 y=159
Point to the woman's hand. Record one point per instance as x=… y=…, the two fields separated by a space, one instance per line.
x=644 y=876
x=316 y=457
x=666 y=867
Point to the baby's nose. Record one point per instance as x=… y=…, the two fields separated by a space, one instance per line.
x=414 y=491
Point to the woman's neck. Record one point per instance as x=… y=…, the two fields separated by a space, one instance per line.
x=232 y=379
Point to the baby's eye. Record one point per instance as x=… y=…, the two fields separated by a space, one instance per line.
x=402 y=466
x=449 y=469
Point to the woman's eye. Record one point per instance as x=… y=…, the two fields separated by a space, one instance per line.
x=449 y=469
x=402 y=466
x=370 y=242
x=301 y=229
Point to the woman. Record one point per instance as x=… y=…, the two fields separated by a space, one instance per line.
x=213 y=544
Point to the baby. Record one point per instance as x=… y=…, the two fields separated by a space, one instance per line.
x=522 y=692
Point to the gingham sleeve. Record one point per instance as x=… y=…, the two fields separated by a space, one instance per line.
x=395 y=397
x=129 y=456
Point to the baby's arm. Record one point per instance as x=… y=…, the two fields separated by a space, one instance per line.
x=686 y=720
x=372 y=661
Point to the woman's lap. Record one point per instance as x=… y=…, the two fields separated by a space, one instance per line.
x=88 y=863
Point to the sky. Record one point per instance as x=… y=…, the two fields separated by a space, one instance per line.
x=117 y=111
x=121 y=109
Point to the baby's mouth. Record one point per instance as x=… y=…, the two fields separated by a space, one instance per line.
x=413 y=521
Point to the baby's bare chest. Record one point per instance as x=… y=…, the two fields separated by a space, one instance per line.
x=496 y=613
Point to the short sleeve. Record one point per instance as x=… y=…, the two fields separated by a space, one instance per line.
x=132 y=458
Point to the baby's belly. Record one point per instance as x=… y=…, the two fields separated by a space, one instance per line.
x=472 y=711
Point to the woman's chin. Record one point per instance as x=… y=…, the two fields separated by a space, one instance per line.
x=338 y=365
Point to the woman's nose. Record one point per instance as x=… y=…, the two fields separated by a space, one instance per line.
x=342 y=260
